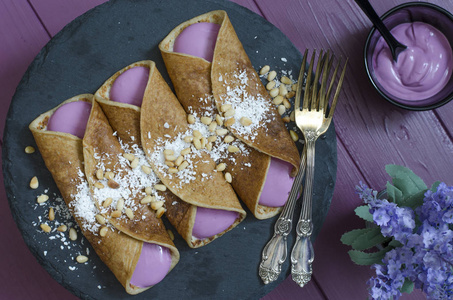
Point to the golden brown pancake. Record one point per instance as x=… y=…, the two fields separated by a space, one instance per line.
x=204 y=87
x=63 y=156
x=154 y=123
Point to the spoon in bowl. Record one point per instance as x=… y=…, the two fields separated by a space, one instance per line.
x=395 y=47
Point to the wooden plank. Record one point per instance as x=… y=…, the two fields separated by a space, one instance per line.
x=372 y=132
x=444 y=113
x=337 y=275
x=332 y=268
x=21 y=36
x=56 y=14
x=414 y=139
x=288 y=289
x=398 y=136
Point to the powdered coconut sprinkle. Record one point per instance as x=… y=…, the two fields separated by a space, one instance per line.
x=83 y=205
x=218 y=153
x=254 y=107
x=132 y=181
x=176 y=144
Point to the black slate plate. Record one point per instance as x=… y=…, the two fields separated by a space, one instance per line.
x=78 y=60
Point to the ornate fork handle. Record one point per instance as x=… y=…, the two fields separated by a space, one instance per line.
x=275 y=252
x=302 y=254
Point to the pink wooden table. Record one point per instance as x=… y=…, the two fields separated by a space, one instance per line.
x=370 y=133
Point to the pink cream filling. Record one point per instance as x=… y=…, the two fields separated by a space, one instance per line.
x=130 y=86
x=152 y=266
x=198 y=40
x=278 y=184
x=209 y=222
x=70 y=118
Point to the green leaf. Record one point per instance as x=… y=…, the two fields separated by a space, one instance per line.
x=394 y=194
x=366 y=259
x=408 y=188
x=364 y=213
x=405 y=180
x=370 y=239
x=435 y=186
x=415 y=200
x=408 y=286
x=349 y=237
x=395 y=244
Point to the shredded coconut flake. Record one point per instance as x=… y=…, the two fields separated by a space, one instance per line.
x=132 y=182
x=253 y=107
x=219 y=152
x=84 y=207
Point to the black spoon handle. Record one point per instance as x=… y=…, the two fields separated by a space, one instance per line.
x=377 y=22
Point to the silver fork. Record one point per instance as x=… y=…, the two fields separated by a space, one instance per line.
x=275 y=252
x=313 y=120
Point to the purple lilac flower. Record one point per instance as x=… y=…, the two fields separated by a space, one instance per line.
x=438 y=206
x=438 y=283
x=390 y=276
x=365 y=193
x=382 y=288
x=394 y=221
x=426 y=254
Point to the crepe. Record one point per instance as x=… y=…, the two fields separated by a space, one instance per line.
x=203 y=87
x=160 y=118
x=63 y=156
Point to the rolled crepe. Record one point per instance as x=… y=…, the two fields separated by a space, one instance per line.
x=162 y=118
x=63 y=156
x=126 y=190
x=204 y=87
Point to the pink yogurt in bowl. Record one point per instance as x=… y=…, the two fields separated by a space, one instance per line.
x=421 y=78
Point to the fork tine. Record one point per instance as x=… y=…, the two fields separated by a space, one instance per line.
x=325 y=77
x=329 y=91
x=308 y=85
x=300 y=81
x=337 y=92
x=319 y=67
